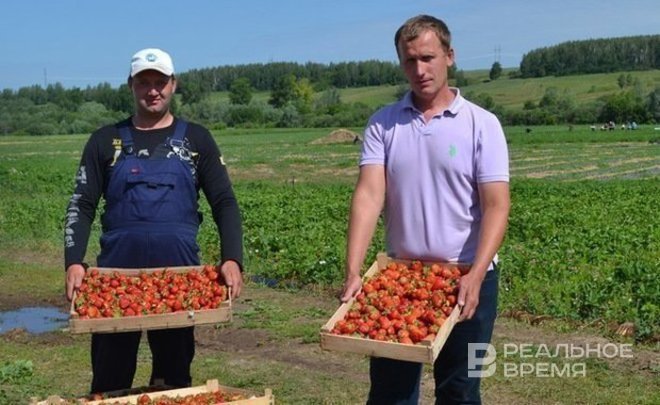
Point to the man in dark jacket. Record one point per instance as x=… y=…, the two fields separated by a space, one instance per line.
x=149 y=169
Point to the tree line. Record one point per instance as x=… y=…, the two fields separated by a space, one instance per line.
x=301 y=95
x=265 y=77
x=593 y=56
x=307 y=95
x=557 y=106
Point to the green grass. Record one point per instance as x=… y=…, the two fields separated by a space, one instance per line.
x=513 y=93
x=373 y=96
x=506 y=92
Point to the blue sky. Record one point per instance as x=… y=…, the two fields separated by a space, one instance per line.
x=79 y=43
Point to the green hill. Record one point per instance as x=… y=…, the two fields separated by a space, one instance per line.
x=513 y=93
x=509 y=93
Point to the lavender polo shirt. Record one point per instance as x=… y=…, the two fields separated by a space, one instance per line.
x=432 y=170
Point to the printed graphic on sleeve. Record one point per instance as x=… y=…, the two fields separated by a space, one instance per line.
x=71 y=219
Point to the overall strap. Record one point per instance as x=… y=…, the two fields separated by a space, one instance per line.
x=179 y=133
x=126 y=139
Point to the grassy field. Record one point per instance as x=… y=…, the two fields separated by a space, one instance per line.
x=506 y=92
x=581 y=257
x=513 y=93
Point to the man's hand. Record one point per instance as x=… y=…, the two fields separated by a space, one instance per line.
x=352 y=286
x=468 y=293
x=233 y=277
x=74 y=276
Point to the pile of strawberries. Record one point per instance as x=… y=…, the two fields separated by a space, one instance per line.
x=111 y=295
x=207 y=398
x=210 y=398
x=401 y=303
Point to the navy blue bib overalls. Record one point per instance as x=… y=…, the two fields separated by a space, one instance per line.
x=151 y=214
x=150 y=219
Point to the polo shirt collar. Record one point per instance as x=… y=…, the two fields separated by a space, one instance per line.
x=454 y=107
x=458 y=102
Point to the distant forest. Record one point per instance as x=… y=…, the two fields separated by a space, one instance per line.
x=593 y=56
x=306 y=95
x=263 y=76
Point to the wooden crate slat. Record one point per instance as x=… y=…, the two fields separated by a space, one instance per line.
x=210 y=386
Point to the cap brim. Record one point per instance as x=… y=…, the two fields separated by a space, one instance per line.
x=154 y=68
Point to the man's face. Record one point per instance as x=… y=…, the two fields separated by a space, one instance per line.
x=152 y=92
x=425 y=62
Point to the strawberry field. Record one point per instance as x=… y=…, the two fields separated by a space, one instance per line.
x=583 y=240
x=582 y=249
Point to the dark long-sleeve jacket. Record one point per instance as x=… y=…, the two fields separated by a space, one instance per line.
x=204 y=159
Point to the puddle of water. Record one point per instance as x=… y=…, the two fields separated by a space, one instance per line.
x=33 y=319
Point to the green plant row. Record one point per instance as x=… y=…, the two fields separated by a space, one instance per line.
x=584 y=251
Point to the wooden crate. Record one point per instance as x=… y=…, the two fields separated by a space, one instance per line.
x=156 y=321
x=210 y=386
x=423 y=352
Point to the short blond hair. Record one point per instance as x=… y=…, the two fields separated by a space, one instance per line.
x=415 y=26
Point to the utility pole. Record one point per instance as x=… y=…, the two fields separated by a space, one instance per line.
x=45 y=78
x=497 y=52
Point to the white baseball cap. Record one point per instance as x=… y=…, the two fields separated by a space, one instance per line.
x=152 y=59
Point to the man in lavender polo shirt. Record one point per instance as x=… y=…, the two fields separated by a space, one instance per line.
x=438 y=165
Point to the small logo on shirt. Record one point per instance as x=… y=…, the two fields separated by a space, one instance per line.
x=452 y=150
